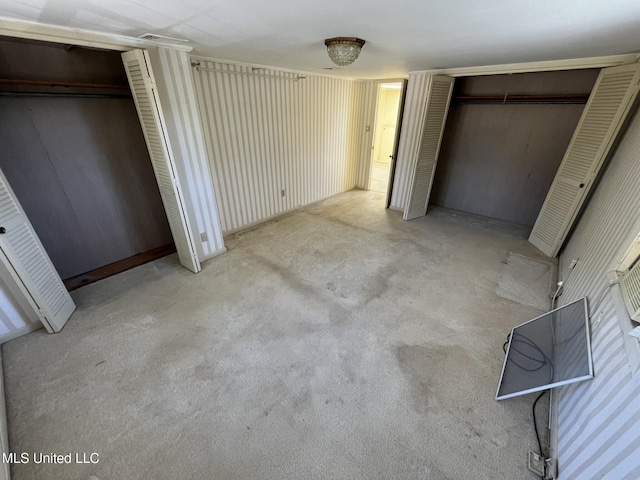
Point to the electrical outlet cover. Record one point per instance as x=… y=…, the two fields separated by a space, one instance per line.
x=536 y=463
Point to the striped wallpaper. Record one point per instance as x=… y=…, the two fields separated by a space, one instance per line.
x=364 y=109
x=173 y=72
x=276 y=142
x=414 y=107
x=599 y=420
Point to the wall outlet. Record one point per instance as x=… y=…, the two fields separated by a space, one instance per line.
x=573 y=264
x=204 y=237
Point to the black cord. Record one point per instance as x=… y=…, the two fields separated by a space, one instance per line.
x=535 y=425
x=540 y=362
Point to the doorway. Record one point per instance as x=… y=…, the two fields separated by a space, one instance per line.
x=385 y=133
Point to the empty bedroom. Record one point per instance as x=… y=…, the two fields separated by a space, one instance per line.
x=242 y=240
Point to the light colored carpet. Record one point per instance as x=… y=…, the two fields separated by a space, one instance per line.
x=334 y=342
x=527 y=281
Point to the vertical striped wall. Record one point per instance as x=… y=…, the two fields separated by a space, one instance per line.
x=599 y=420
x=172 y=69
x=364 y=111
x=414 y=106
x=274 y=142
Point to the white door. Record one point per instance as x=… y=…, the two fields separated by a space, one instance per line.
x=29 y=265
x=603 y=116
x=439 y=91
x=145 y=96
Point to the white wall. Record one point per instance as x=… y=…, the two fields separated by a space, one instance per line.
x=599 y=420
x=265 y=135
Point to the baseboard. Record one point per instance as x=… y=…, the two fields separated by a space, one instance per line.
x=280 y=214
x=249 y=226
x=395 y=209
x=32 y=327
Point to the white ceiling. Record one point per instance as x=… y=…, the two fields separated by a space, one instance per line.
x=401 y=35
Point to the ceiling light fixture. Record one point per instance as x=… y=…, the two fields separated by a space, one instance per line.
x=344 y=51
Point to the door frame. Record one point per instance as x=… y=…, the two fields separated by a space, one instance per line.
x=396 y=142
x=374 y=119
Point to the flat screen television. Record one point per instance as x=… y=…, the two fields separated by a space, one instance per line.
x=551 y=350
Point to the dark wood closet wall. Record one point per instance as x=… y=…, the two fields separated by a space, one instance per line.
x=74 y=153
x=499 y=159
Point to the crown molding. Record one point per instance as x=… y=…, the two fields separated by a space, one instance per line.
x=11 y=27
x=543 y=66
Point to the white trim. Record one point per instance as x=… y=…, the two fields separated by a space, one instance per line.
x=374 y=134
x=399 y=80
x=543 y=66
x=13 y=334
x=11 y=27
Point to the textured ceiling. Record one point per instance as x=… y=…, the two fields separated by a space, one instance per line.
x=401 y=36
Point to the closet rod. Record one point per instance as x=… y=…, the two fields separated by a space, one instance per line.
x=46 y=83
x=566 y=98
x=65 y=95
x=198 y=67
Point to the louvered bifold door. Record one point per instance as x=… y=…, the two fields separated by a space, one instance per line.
x=439 y=92
x=29 y=265
x=603 y=116
x=141 y=80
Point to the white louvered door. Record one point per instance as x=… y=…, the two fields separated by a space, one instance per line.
x=438 y=97
x=141 y=80
x=30 y=266
x=609 y=103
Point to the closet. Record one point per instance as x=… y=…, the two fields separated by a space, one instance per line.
x=504 y=139
x=75 y=156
